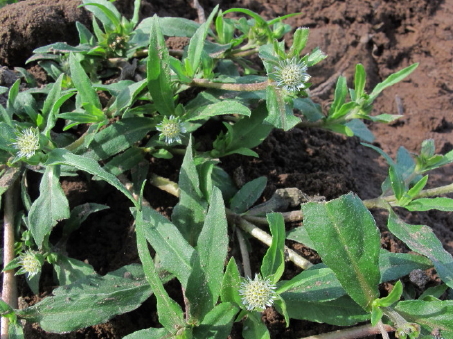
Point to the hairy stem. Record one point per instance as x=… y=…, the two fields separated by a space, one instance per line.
x=391 y=199
x=9 y=289
x=352 y=333
x=230 y=86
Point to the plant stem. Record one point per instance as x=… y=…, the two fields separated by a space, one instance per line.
x=9 y=289
x=352 y=333
x=230 y=86
x=172 y=188
x=244 y=254
x=391 y=199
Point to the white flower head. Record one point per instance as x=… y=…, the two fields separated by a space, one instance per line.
x=27 y=142
x=171 y=129
x=291 y=74
x=31 y=263
x=258 y=293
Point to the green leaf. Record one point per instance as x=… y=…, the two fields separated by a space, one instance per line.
x=347 y=239
x=63 y=157
x=300 y=235
x=212 y=245
x=115 y=293
x=341 y=90
x=196 y=44
x=359 y=81
x=173 y=250
x=413 y=192
x=426 y=204
x=314 y=285
x=391 y=80
x=218 y=322
x=254 y=328
x=248 y=195
x=105 y=11
x=82 y=82
x=246 y=133
x=396 y=265
x=231 y=283
x=342 y=311
x=392 y=297
x=50 y=207
x=116 y=138
x=360 y=130
x=158 y=71
x=430 y=315
x=300 y=38
x=397 y=182
x=85 y=36
x=421 y=239
x=69 y=270
x=170 y=26
x=218 y=108
x=188 y=215
x=155 y=333
x=125 y=161
x=273 y=263
x=170 y=313
x=280 y=114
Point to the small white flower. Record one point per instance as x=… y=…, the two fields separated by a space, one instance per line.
x=27 y=142
x=171 y=129
x=31 y=263
x=291 y=75
x=258 y=293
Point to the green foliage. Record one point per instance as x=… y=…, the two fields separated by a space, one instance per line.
x=151 y=112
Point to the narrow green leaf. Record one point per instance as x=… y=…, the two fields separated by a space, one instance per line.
x=358 y=127
x=212 y=244
x=359 y=81
x=116 y=138
x=431 y=315
x=218 y=322
x=173 y=250
x=85 y=36
x=341 y=90
x=413 y=191
x=347 y=239
x=280 y=115
x=248 y=195
x=392 y=297
x=196 y=44
x=158 y=71
x=115 y=293
x=170 y=313
x=342 y=110
x=397 y=182
x=300 y=39
x=105 y=11
x=426 y=204
x=170 y=26
x=82 y=82
x=249 y=132
x=273 y=263
x=391 y=80
x=188 y=215
x=50 y=207
x=231 y=284
x=218 y=108
x=63 y=157
x=421 y=239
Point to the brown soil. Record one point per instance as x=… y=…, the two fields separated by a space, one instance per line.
x=384 y=36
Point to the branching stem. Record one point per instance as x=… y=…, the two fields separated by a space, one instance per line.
x=172 y=188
